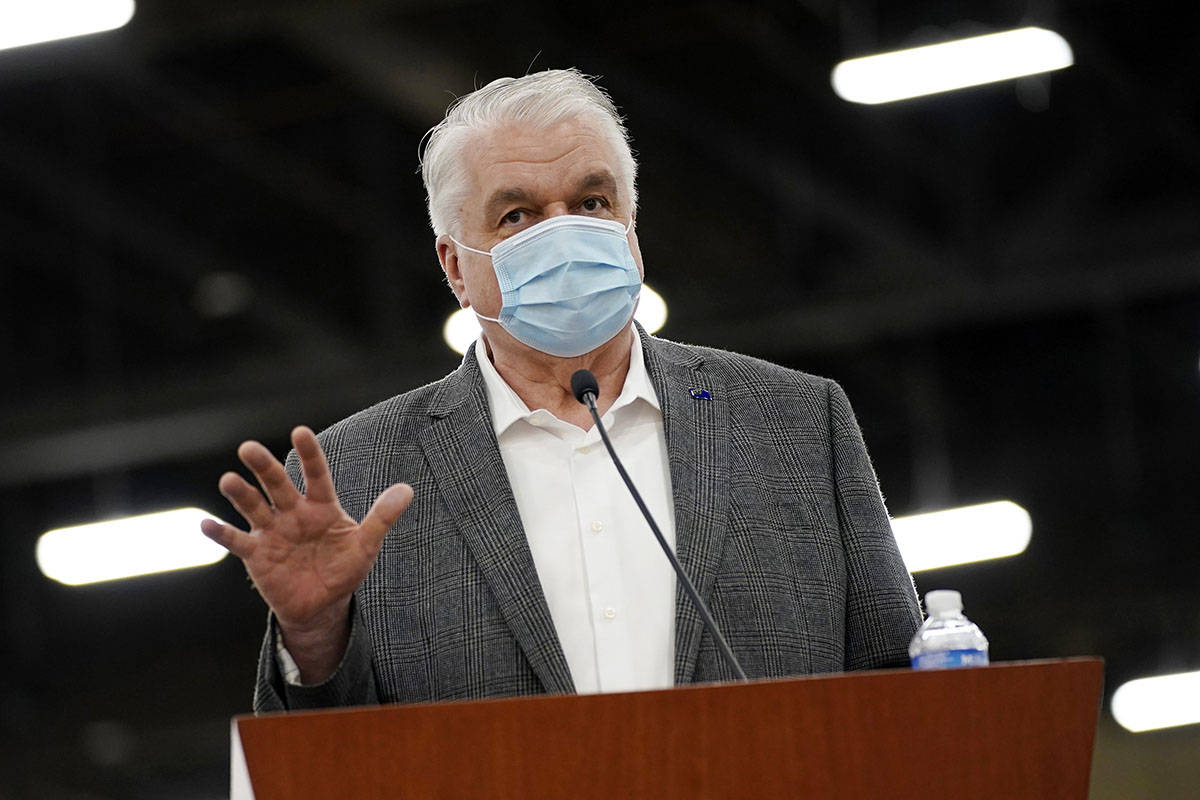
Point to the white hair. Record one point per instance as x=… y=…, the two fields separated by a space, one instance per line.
x=540 y=99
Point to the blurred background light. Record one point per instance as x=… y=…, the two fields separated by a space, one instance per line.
x=962 y=535
x=1165 y=701
x=462 y=327
x=124 y=548
x=222 y=294
x=34 y=21
x=460 y=330
x=651 y=310
x=952 y=65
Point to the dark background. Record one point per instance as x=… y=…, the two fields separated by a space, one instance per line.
x=212 y=228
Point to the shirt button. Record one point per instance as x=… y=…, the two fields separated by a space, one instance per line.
x=597 y=526
x=537 y=421
x=610 y=613
x=587 y=448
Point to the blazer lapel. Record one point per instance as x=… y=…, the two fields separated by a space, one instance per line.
x=697 y=448
x=464 y=458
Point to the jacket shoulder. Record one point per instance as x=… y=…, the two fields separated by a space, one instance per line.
x=406 y=412
x=736 y=370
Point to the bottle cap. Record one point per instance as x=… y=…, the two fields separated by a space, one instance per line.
x=943 y=603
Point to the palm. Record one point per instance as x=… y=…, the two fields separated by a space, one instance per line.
x=304 y=553
x=307 y=557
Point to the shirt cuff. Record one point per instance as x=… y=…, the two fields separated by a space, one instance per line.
x=287 y=665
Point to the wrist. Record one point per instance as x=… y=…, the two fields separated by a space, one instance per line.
x=318 y=626
x=318 y=645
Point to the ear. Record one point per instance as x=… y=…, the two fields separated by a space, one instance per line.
x=447 y=253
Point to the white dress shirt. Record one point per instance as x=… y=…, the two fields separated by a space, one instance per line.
x=610 y=589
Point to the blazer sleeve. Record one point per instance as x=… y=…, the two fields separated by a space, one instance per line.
x=352 y=683
x=882 y=610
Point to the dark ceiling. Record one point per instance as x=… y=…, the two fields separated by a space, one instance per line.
x=212 y=228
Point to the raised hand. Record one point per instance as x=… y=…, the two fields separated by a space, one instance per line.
x=305 y=554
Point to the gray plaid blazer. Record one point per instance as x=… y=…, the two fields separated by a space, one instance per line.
x=778 y=520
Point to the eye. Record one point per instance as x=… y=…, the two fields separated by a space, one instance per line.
x=593 y=204
x=514 y=217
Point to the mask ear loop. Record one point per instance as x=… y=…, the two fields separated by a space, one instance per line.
x=468 y=247
x=482 y=253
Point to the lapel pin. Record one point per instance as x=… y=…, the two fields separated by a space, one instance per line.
x=700 y=394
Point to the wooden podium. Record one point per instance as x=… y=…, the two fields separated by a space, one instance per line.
x=1013 y=730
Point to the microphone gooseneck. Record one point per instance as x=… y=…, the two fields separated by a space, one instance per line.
x=586 y=389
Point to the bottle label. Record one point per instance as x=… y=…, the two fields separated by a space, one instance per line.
x=944 y=659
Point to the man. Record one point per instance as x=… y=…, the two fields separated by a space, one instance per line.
x=501 y=554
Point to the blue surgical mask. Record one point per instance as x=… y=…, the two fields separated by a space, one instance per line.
x=568 y=284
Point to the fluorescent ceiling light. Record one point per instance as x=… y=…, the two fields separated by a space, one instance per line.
x=950 y=65
x=962 y=535
x=462 y=327
x=123 y=548
x=25 y=22
x=1163 y=702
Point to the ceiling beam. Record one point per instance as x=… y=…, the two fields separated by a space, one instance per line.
x=95 y=206
x=1027 y=294
x=298 y=182
x=412 y=78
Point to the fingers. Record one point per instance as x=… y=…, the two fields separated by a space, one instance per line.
x=248 y=501
x=318 y=483
x=383 y=514
x=240 y=543
x=270 y=473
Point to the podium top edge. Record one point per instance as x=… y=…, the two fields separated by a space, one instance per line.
x=1096 y=663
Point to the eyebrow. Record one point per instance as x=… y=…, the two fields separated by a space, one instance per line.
x=599 y=180
x=504 y=197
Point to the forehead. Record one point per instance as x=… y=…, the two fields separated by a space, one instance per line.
x=542 y=161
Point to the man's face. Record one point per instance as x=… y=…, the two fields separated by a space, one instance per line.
x=518 y=176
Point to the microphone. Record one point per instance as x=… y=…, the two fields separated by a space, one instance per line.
x=583 y=383
x=586 y=389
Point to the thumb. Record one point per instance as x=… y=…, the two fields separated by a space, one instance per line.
x=386 y=509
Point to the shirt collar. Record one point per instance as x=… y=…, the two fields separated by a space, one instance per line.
x=507 y=407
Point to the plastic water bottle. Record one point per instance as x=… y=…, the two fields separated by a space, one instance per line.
x=947 y=639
